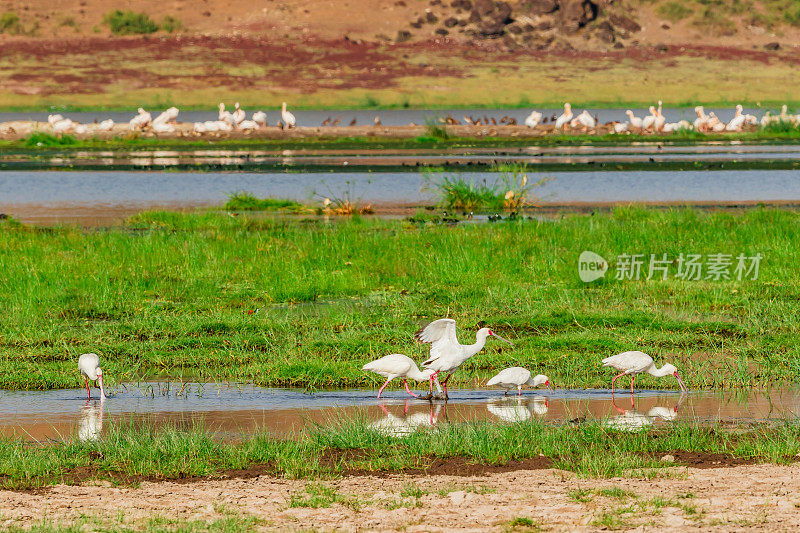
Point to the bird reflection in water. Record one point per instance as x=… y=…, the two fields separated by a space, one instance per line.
x=632 y=420
x=90 y=424
x=518 y=409
x=400 y=426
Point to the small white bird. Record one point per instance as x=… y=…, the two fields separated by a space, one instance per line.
x=89 y=365
x=447 y=354
x=516 y=377
x=141 y=120
x=632 y=363
x=649 y=120
x=106 y=125
x=565 y=117
x=248 y=125
x=584 y=119
x=620 y=127
x=260 y=118
x=533 y=119
x=395 y=366
x=633 y=120
x=288 y=118
x=238 y=114
x=737 y=121
x=700 y=123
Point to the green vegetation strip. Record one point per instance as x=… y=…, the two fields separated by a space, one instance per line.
x=129 y=453
x=288 y=300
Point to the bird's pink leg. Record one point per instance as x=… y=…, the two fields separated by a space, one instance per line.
x=408 y=390
x=433 y=376
x=384 y=386
x=633 y=376
x=88 y=392
x=444 y=385
x=613 y=380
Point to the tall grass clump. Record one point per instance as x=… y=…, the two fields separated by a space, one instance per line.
x=171 y=24
x=129 y=23
x=10 y=23
x=510 y=190
x=245 y=201
x=46 y=139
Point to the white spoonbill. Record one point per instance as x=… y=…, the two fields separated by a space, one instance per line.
x=565 y=117
x=632 y=363
x=516 y=377
x=288 y=118
x=533 y=119
x=447 y=354
x=89 y=365
x=395 y=366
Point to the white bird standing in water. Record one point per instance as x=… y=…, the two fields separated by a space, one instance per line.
x=395 y=366
x=89 y=365
x=287 y=117
x=516 y=377
x=447 y=354
x=632 y=363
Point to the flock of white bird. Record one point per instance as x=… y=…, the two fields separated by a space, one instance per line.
x=166 y=122
x=656 y=122
x=447 y=355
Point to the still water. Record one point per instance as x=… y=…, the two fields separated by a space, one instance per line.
x=236 y=411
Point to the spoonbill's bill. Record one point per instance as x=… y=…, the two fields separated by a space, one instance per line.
x=89 y=365
x=288 y=118
x=632 y=363
x=516 y=377
x=398 y=366
x=565 y=117
x=447 y=354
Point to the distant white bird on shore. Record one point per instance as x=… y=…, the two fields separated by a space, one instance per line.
x=565 y=118
x=260 y=118
x=89 y=365
x=533 y=119
x=141 y=120
x=106 y=125
x=248 y=125
x=515 y=377
x=633 y=120
x=737 y=121
x=701 y=122
x=52 y=119
x=397 y=366
x=238 y=114
x=635 y=362
x=620 y=127
x=447 y=354
x=584 y=119
x=649 y=120
x=288 y=118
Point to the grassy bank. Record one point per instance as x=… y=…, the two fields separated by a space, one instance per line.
x=307 y=303
x=129 y=453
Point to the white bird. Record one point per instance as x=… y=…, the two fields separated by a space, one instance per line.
x=632 y=363
x=248 y=125
x=288 y=118
x=565 y=117
x=260 y=118
x=737 y=121
x=52 y=119
x=224 y=115
x=649 y=120
x=106 y=125
x=64 y=126
x=395 y=366
x=584 y=119
x=238 y=114
x=141 y=120
x=517 y=409
x=89 y=365
x=447 y=354
x=620 y=127
x=533 y=119
x=660 y=121
x=700 y=123
x=516 y=377
x=633 y=120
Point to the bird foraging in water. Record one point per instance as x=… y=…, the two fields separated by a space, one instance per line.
x=397 y=365
x=632 y=363
x=447 y=354
x=89 y=365
x=516 y=377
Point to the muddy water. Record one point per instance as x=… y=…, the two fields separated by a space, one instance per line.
x=234 y=412
x=102 y=198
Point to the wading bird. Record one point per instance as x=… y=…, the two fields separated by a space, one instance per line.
x=533 y=119
x=447 y=354
x=633 y=120
x=565 y=117
x=632 y=363
x=89 y=365
x=516 y=377
x=395 y=366
x=288 y=118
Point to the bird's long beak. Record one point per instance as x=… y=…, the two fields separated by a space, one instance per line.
x=102 y=391
x=501 y=338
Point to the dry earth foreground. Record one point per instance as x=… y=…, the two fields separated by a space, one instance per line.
x=397 y=53
x=749 y=497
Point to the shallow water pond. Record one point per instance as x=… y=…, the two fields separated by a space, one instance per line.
x=236 y=411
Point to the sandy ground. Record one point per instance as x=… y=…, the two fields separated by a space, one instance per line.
x=763 y=497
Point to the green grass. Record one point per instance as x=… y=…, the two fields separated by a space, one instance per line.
x=245 y=201
x=131 y=452
x=10 y=23
x=129 y=23
x=277 y=301
x=674 y=11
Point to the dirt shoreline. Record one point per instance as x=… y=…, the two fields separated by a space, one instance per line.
x=746 y=497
